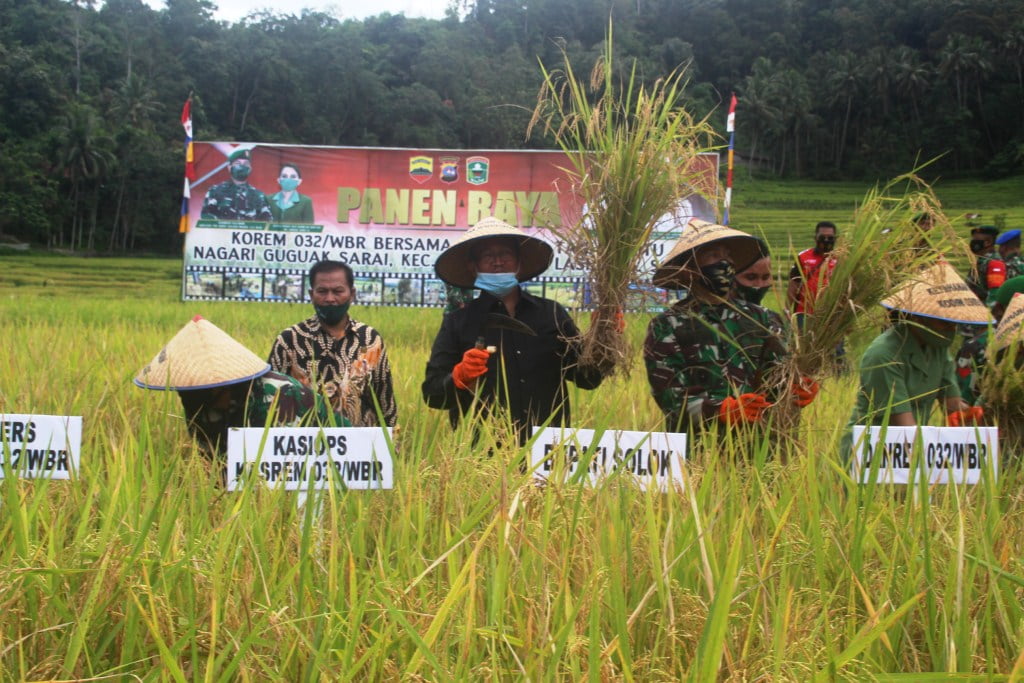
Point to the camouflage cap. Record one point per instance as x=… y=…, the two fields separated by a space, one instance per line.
x=200 y=356
x=745 y=249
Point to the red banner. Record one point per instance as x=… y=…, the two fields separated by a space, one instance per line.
x=263 y=214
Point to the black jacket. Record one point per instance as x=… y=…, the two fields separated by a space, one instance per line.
x=529 y=371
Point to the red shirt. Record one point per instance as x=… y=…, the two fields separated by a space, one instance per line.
x=808 y=267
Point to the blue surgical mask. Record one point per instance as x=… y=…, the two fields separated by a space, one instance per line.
x=288 y=184
x=498 y=284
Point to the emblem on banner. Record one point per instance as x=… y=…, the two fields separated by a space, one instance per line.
x=479 y=168
x=449 y=169
x=421 y=169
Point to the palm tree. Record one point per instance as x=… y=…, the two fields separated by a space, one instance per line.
x=842 y=80
x=84 y=159
x=912 y=77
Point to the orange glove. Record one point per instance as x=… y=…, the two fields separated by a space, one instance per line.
x=969 y=416
x=472 y=365
x=620 y=320
x=805 y=390
x=746 y=408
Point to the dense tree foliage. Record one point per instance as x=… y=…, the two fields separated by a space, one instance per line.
x=90 y=141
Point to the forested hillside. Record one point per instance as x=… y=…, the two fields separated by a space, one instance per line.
x=91 y=143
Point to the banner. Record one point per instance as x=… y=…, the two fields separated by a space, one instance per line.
x=307 y=458
x=262 y=218
x=40 y=446
x=652 y=459
x=949 y=455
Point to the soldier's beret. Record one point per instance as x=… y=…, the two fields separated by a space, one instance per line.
x=990 y=230
x=1008 y=236
x=240 y=154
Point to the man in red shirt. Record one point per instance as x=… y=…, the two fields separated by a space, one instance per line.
x=811 y=271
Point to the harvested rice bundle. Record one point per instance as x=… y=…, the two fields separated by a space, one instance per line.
x=898 y=230
x=631 y=151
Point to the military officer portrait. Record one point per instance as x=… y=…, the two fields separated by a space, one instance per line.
x=236 y=199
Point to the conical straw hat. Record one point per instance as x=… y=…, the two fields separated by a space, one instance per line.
x=1011 y=327
x=938 y=292
x=672 y=273
x=455 y=267
x=200 y=356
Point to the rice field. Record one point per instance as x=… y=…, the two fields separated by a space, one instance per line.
x=770 y=565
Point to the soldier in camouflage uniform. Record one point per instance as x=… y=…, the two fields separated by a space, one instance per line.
x=236 y=199
x=711 y=357
x=989 y=272
x=1009 y=251
x=971 y=358
x=222 y=384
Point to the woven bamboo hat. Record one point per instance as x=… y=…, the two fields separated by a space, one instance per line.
x=938 y=292
x=673 y=273
x=455 y=264
x=200 y=356
x=1011 y=327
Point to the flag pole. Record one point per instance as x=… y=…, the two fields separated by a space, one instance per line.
x=730 y=128
x=190 y=168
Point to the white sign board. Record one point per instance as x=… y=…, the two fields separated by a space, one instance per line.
x=956 y=455
x=654 y=459
x=40 y=446
x=305 y=458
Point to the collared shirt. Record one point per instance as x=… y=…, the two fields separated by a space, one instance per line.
x=527 y=375
x=350 y=371
x=697 y=354
x=898 y=374
x=233 y=201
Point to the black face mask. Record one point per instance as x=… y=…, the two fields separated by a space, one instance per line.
x=977 y=246
x=826 y=244
x=718 y=277
x=754 y=295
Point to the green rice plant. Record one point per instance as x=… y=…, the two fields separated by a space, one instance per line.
x=631 y=151
x=144 y=567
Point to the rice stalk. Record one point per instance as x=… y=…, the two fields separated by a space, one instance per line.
x=631 y=151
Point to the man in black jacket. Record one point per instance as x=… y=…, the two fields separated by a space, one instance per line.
x=474 y=363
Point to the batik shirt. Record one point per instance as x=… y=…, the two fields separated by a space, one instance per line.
x=294 y=404
x=230 y=201
x=697 y=354
x=350 y=371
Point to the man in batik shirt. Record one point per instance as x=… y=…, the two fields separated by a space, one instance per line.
x=336 y=355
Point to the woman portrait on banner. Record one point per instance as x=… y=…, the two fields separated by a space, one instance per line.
x=287 y=205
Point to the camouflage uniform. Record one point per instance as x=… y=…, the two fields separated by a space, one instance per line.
x=231 y=201
x=297 y=405
x=697 y=354
x=456 y=297
x=970 y=363
x=1014 y=265
x=990 y=274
